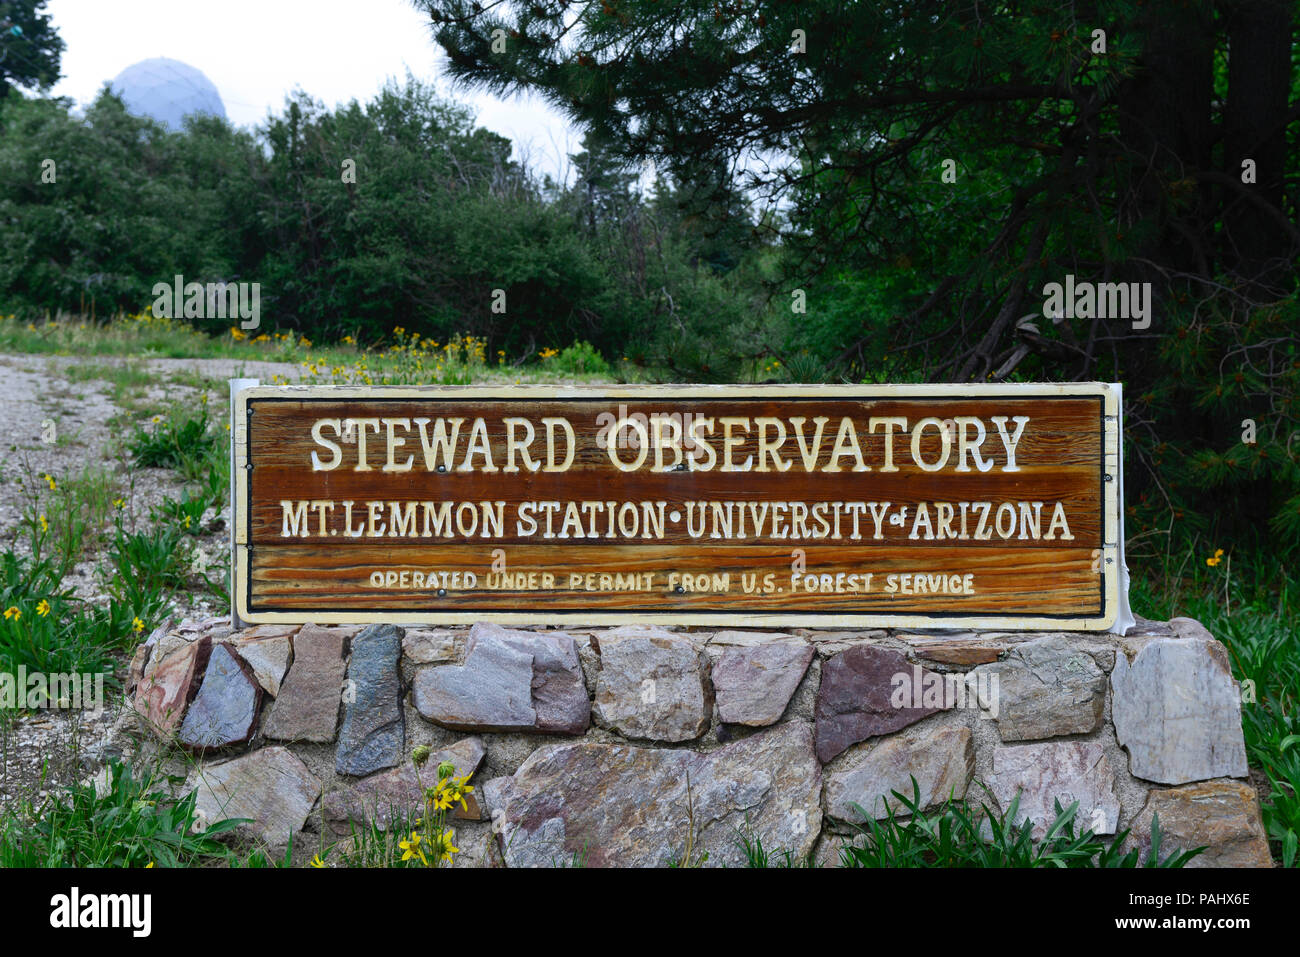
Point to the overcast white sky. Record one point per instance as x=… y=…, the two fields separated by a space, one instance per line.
x=256 y=51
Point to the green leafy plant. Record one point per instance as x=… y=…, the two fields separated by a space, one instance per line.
x=134 y=823
x=371 y=843
x=44 y=628
x=186 y=512
x=750 y=843
x=181 y=440
x=431 y=842
x=957 y=835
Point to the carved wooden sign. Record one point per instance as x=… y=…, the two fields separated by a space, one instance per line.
x=908 y=506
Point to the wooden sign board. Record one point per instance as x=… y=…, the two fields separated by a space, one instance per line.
x=905 y=506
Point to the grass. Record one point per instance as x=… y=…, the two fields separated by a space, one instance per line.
x=958 y=835
x=45 y=628
x=66 y=518
x=135 y=823
x=185 y=513
x=371 y=845
x=756 y=855
x=128 y=379
x=79 y=510
x=1254 y=610
x=138 y=335
x=402 y=358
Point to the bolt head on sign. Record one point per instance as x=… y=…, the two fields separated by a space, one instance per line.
x=908 y=506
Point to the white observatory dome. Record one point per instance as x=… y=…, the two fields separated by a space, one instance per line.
x=167 y=90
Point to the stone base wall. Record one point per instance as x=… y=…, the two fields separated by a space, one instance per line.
x=582 y=742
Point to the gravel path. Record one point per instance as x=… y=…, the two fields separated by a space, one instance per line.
x=60 y=415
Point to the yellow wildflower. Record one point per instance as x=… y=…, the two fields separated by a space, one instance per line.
x=43 y=608
x=317 y=862
x=45 y=526
x=137 y=626
x=442 y=845
x=1218 y=557
x=411 y=849
x=13 y=612
x=455 y=792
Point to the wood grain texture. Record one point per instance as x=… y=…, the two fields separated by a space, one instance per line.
x=344 y=559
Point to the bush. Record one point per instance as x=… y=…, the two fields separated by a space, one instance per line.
x=581 y=358
x=182 y=441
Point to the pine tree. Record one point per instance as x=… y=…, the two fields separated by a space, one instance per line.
x=29 y=48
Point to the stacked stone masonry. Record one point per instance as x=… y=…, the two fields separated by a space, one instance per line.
x=581 y=742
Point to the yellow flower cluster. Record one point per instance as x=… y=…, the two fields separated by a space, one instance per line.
x=432 y=843
x=409 y=359
x=14 y=613
x=449 y=792
x=440 y=847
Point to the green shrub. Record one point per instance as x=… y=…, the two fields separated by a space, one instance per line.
x=179 y=441
x=581 y=358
